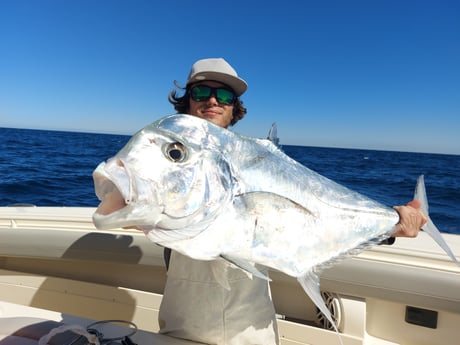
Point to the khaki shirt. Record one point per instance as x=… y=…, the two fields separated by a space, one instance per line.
x=196 y=307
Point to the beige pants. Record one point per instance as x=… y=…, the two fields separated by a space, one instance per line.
x=196 y=307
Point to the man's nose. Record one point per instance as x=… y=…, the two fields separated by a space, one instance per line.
x=212 y=99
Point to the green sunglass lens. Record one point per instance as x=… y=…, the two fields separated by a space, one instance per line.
x=224 y=96
x=201 y=93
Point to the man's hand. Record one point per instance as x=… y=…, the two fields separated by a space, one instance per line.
x=411 y=219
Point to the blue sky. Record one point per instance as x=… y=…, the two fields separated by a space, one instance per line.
x=356 y=74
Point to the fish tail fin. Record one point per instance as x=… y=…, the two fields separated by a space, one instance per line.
x=429 y=227
x=310 y=283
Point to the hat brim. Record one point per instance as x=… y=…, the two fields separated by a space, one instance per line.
x=238 y=85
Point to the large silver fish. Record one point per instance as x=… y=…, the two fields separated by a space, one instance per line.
x=209 y=193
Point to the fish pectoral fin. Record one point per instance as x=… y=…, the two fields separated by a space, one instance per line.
x=247 y=267
x=310 y=283
x=262 y=203
x=429 y=227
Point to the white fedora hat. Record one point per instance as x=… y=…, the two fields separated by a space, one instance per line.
x=217 y=69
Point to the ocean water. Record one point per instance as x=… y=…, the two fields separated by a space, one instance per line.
x=53 y=168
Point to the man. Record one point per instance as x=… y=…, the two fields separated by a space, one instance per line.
x=195 y=306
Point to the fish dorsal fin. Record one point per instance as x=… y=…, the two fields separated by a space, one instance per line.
x=273 y=134
x=310 y=284
x=429 y=227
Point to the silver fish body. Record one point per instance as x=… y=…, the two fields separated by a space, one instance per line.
x=209 y=193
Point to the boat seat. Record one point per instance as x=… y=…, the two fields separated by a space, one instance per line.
x=28 y=331
x=18 y=329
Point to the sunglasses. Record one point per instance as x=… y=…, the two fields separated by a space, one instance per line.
x=202 y=93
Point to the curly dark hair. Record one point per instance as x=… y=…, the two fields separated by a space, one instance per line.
x=182 y=103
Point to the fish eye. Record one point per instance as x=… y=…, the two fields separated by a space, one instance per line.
x=175 y=152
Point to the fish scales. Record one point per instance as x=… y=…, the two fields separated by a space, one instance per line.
x=209 y=193
x=330 y=211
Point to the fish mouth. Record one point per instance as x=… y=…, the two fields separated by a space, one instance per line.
x=120 y=204
x=112 y=200
x=107 y=191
